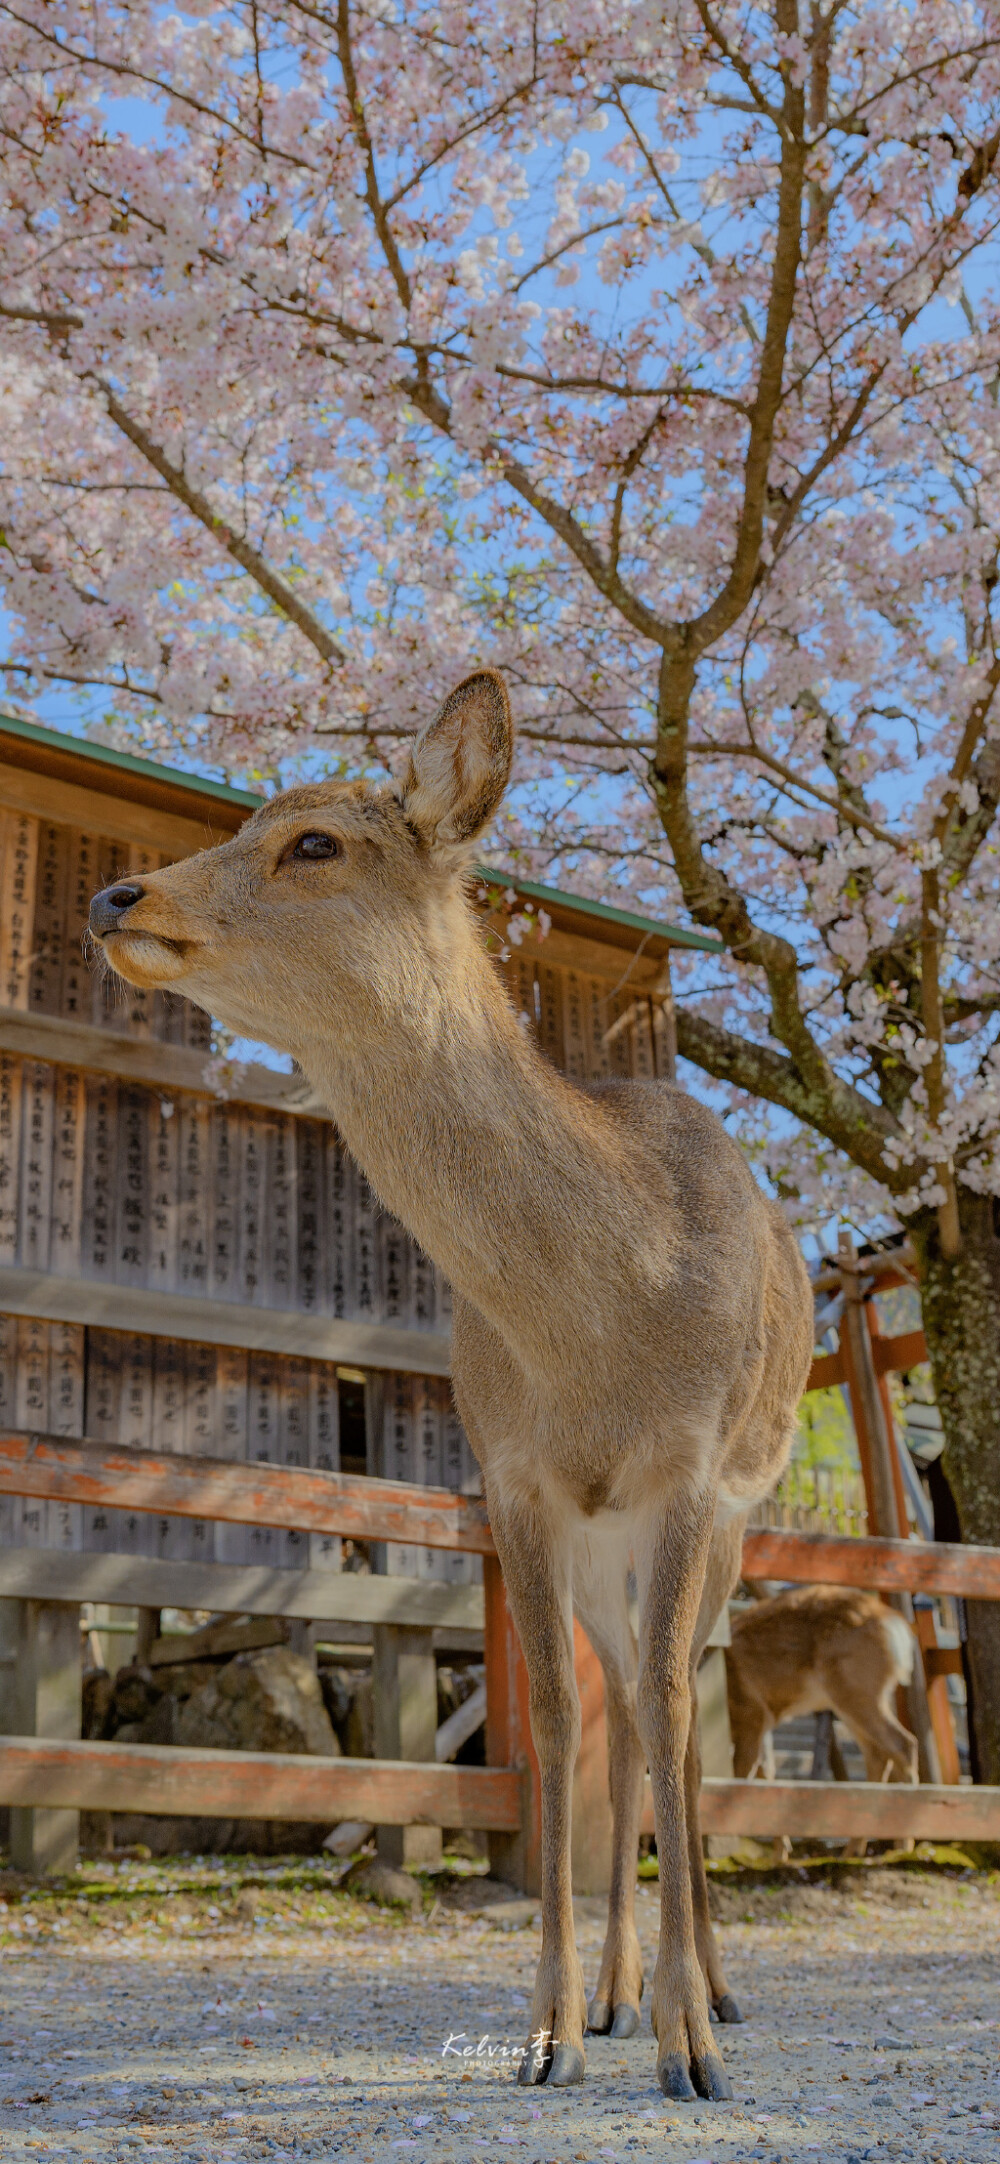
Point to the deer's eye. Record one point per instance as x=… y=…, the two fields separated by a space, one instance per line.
x=311 y=848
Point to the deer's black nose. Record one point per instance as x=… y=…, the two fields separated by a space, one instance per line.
x=109 y=907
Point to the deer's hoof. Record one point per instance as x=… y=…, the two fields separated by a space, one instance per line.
x=674 y=2079
x=711 y=2078
x=535 y=2062
x=568 y=2067
x=727 y=2010
x=605 y=2020
x=559 y=2066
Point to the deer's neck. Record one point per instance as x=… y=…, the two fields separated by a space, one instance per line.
x=510 y=1180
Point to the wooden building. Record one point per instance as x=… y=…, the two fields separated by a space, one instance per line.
x=210 y=1274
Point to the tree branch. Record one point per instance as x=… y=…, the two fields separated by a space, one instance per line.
x=842 y=806
x=708 y=893
x=850 y=1121
x=729 y=603
x=934 y=1073
x=249 y=559
x=373 y=197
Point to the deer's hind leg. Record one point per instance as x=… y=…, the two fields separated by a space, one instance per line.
x=863 y=1696
x=720 y=1577
x=600 y=1598
x=672 y=1553
x=535 y=1559
x=890 y=1752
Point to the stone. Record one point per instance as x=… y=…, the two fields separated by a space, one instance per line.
x=348 y=1837
x=247 y=1905
x=139 y=1706
x=347 y=1696
x=98 y=1692
x=382 y=1883
x=480 y=1894
x=266 y=1701
x=508 y=1915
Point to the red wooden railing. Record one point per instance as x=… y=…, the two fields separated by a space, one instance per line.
x=504 y=1796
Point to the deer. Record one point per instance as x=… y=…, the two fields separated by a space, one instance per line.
x=633 y=1322
x=813 y=1649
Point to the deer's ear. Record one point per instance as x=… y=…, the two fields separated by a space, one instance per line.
x=460 y=764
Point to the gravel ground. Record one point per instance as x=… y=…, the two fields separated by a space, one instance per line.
x=197 y=2012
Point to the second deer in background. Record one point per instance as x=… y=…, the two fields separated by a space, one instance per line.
x=819 y=1649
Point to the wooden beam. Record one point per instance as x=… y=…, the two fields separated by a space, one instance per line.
x=117 y=817
x=229 y=1635
x=339 y=1599
x=254 y=1784
x=366 y=1509
x=893 y=1355
x=249 y=1784
x=305 y=1501
x=52 y=756
x=944 y=1661
x=827 y=1369
x=598 y=956
x=828 y=1810
x=888 y=1566
x=64 y=1042
x=198 y=1321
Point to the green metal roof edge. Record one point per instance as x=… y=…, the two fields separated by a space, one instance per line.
x=603 y=911
x=153 y=770
x=126 y=762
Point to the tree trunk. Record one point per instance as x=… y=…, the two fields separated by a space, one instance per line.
x=961 y=1315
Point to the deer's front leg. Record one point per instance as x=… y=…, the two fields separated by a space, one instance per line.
x=536 y=1574
x=671 y=1560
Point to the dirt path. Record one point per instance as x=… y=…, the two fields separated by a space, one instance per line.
x=178 y=2011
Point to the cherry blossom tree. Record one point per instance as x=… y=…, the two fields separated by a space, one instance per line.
x=647 y=350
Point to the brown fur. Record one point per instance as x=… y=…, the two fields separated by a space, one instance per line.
x=633 y=1322
x=814 y=1648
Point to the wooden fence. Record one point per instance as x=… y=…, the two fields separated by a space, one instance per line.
x=503 y=1797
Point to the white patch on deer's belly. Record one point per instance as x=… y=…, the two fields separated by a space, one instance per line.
x=729 y=1506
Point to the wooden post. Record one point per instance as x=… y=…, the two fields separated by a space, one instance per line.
x=874 y=1326
x=44 y=1698
x=404 y=1704
x=591 y=1790
x=712 y=1714
x=664 y=1023
x=516 y=1858
x=146 y=1633
x=936 y=1686
x=375 y=1448
x=711 y=1711
x=922 y=1613
x=866 y=1405
x=876 y=1448
x=404 y=1674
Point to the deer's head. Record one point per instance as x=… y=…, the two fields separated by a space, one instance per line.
x=335 y=897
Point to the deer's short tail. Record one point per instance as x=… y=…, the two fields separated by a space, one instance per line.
x=901 y=1644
